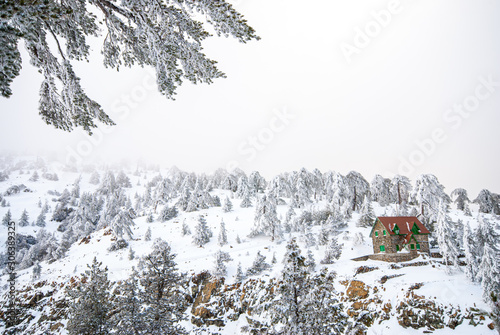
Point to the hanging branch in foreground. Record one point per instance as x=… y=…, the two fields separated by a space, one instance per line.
x=162 y=34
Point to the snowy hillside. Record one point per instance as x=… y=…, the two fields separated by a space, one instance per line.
x=233 y=236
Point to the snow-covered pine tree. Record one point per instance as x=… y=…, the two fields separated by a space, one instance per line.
x=45 y=249
x=333 y=251
x=470 y=251
x=336 y=189
x=228 y=205
x=489 y=271
x=222 y=238
x=358 y=189
x=288 y=309
x=202 y=232
x=40 y=220
x=163 y=191
x=324 y=234
x=185 y=229
x=444 y=231
x=195 y=202
x=290 y=213
x=238 y=240
x=321 y=310
x=266 y=219
x=242 y=187
x=46 y=206
x=220 y=268
x=345 y=213
x=164 y=291
x=147 y=200
x=239 y=277
x=367 y=217
x=34 y=177
x=36 y=272
x=403 y=209
x=108 y=184
x=458 y=233
x=90 y=304
x=317 y=185
x=259 y=265
x=310 y=262
x=129 y=316
x=256 y=182
x=400 y=189
x=302 y=188
x=122 y=180
x=244 y=193
x=94 y=178
x=274 y=260
x=428 y=194
x=131 y=254
x=460 y=198
x=122 y=223
x=488 y=202
x=7 y=218
x=489 y=267
x=184 y=199
x=309 y=238
x=414 y=211
x=246 y=201
x=168 y=213
x=380 y=190
x=147 y=235
x=306 y=304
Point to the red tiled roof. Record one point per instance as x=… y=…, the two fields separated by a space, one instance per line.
x=408 y=238
x=405 y=223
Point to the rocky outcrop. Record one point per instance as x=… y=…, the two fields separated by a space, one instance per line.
x=43 y=309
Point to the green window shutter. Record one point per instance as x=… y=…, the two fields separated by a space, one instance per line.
x=385 y=233
x=382 y=248
x=414 y=229
x=376 y=234
x=397 y=247
x=418 y=246
x=412 y=246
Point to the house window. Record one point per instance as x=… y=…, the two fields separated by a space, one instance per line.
x=376 y=234
x=412 y=246
x=385 y=233
x=382 y=248
x=418 y=246
x=397 y=247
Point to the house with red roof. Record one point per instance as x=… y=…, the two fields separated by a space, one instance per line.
x=394 y=234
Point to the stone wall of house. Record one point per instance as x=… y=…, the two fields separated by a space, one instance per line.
x=379 y=240
x=423 y=240
x=394 y=257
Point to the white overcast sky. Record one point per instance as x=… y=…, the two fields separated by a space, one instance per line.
x=367 y=113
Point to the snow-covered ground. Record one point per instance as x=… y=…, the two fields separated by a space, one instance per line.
x=438 y=286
